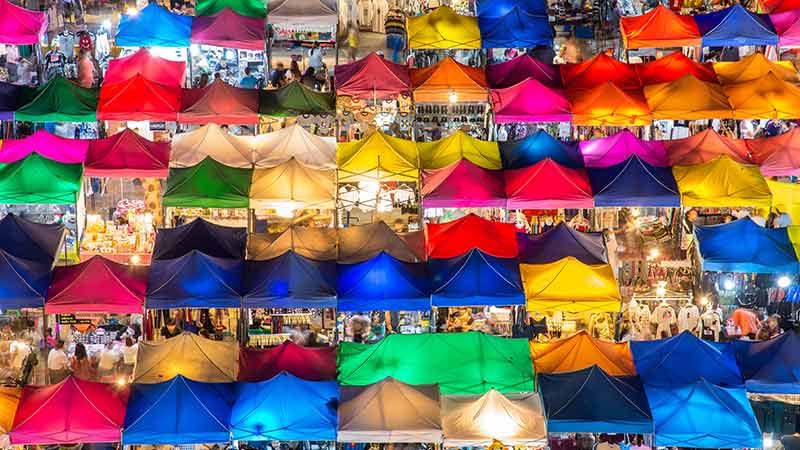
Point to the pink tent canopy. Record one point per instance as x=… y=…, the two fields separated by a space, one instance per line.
x=127 y=154
x=152 y=68
x=548 y=184
x=72 y=411
x=97 y=285
x=530 y=101
x=20 y=26
x=463 y=185
x=313 y=364
x=56 y=148
x=513 y=71
x=705 y=146
x=778 y=156
x=229 y=29
x=787 y=26
x=612 y=150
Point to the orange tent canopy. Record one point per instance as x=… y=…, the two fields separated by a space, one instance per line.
x=597 y=71
x=768 y=97
x=580 y=351
x=672 y=67
x=607 y=104
x=753 y=67
x=659 y=28
x=705 y=146
x=687 y=99
x=435 y=83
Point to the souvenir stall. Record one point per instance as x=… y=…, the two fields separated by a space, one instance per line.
x=305 y=23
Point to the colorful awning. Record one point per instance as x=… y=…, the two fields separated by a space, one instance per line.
x=199 y=234
x=47 y=145
x=291 y=142
x=475 y=279
x=451 y=239
x=359 y=243
x=582 y=351
x=38 y=180
x=294 y=186
x=754 y=67
x=295 y=99
x=372 y=77
x=289 y=281
x=443 y=28
x=195 y=280
x=530 y=101
x=127 y=154
x=247 y=8
x=569 y=285
x=209 y=184
x=448 y=80
x=673 y=67
x=227 y=28
x=458 y=146
x=608 y=105
x=617 y=148
x=537 y=147
x=597 y=71
x=735 y=26
x=20 y=26
x=463 y=185
x=777 y=156
x=559 y=242
x=60 y=100
x=516 y=70
x=139 y=99
x=659 y=28
x=514 y=23
x=546 y=184
x=688 y=98
x=192 y=147
x=722 y=182
x=151 y=67
x=186 y=355
x=768 y=97
x=219 y=103
x=153 y=26
x=383 y=283
x=313 y=243
x=705 y=146
x=634 y=183
x=307 y=363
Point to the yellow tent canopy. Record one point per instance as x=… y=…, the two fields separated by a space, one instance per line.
x=794 y=238
x=9 y=399
x=190 y=355
x=458 y=146
x=443 y=28
x=449 y=80
x=722 y=182
x=752 y=68
x=768 y=97
x=786 y=198
x=571 y=286
x=378 y=157
x=293 y=185
x=687 y=98
x=581 y=351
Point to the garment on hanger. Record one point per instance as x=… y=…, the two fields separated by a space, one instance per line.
x=688 y=318
x=663 y=317
x=67 y=42
x=711 y=325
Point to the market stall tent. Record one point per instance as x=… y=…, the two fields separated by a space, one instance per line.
x=127 y=154
x=455 y=238
x=475 y=279
x=382 y=283
x=518 y=69
x=619 y=147
x=753 y=67
x=460 y=363
x=178 y=411
x=40 y=181
x=153 y=26
x=199 y=234
x=443 y=28
x=73 y=410
x=97 y=285
x=9 y=402
x=313 y=243
x=559 y=242
x=138 y=99
x=634 y=183
x=537 y=147
x=769 y=97
x=23 y=282
x=530 y=101
x=195 y=280
x=371 y=78
x=60 y=100
x=448 y=80
x=208 y=184
x=569 y=285
x=582 y=351
x=608 y=105
x=228 y=28
x=462 y=185
x=188 y=355
x=30 y=240
x=315 y=13
x=247 y=8
x=744 y=246
x=192 y=147
x=787 y=26
x=673 y=67
x=289 y=281
x=219 y=103
x=458 y=146
x=592 y=401
x=735 y=26
x=546 y=184
x=295 y=99
x=14 y=97
x=659 y=28
x=597 y=71
x=378 y=156
x=306 y=363
x=294 y=141
x=292 y=186
x=514 y=23
x=771 y=366
x=705 y=146
x=20 y=26
x=360 y=243
x=480 y=420
x=777 y=156
x=54 y=148
x=786 y=199
x=777 y=6
x=149 y=66
x=688 y=98
x=722 y=182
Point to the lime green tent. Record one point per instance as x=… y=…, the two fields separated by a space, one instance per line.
x=208 y=184
x=61 y=100
x=461 y=363
x=295 y=99
x=38 y=180
x=249 y=8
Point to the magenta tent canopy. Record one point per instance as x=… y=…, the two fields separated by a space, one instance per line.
x=513 y=71
x=463 y=185
x=229 y=29
x=127 y=154
x=152 y=68
x=50 y=146
x=20 y=26
x=372 y=77
x=787 y=25
x=617 y=148
x=530 y=101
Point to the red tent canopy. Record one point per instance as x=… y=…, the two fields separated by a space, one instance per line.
x=548 y=184
x=463 y=185
x=659 y=28
x=372 y=77
x=127 y=154
x=513 y=71
x=597 y=71
x=229 y=29
x=451 y=239
x=72 y=411
x=20 y=26
x=313 y=364
x=778 y=6
x=97 y=285
x=703 y=147
x=150 y=67
x=219 y=103
x=530 y=101
x=778 y=156
x=138 y=99
x=672 y=68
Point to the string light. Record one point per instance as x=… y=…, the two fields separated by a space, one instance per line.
x=784 y=282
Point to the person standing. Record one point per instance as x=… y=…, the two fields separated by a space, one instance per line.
x=80 y=364
x=58 y=363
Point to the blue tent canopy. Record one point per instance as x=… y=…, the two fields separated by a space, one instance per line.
x=735 y=26
x=475 y=279
x=23 y=282
x=745 y=246
x=684 y=359
x=154 y=26
x=514 y=23
x=290 y=281
x=538 y=147
x=209 y=238
x=29 y=240
x=178 y=411
x=633 y=182
x=383 y=283
x=770 y=367
x=285 y=408
x=558 y=243
x=592 y=401
x=701 y=415
x=195 y=280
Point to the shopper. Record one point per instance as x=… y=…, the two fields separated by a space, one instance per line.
x=248 y=81
x=129 y=352
x=80 y=364
x=315 y=57
x=107 y=364
x=58 y=363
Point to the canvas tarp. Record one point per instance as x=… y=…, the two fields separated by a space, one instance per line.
x=608 y=105
x=617 y=148
x=23 y=282
x=289 y=281
x=460 y=363
x=293 y=141
x=73 y=410
x=745 y=246
x=209 y=184
x=247 y=8
x=518 y=69
x=569 y=285
x=192 y=147
x=787 y=26
x=537 y=147
x=722 y=182
x=786 y=199
x=436 y=83
x=195 y=280
x=31 y=240
x=151 y=67
x=463 y=185
x=20 y=26
x=480 y=420
x=514 y=24
x=475 y=279
x=9 y=401
x=546 y=184
x=634 y=183
x=530 y=101
x=307 y=363
x=559 y=242
x=199 y=234
x=705 y=146
x=766 y=98
x=777 y=156
x=771 y=366
x=227 y=28
x=597 y=71
x=97 y=285
x=219 y=103
x=673 y=67
x=455 y=238
x=458 y=146
x=47 y=145
x=308 y=13
x=443 y=28
x=153 y=26
x=14 y=97
x=38 y=180
x=285 y=408
x=189 y=355
x=592 y=401
x=310 y=242
x=127 y=154
x=378 y=156
x=752 y=68
x=383 y=283
x=582 y=351
x=294 y=186
x=372 y=77
x=390 y=411
x=688 y=98
x=60 y=100
x=735 y=26
x=295 y=99
x=358 y=243
x=138 y=99
x=659 y=28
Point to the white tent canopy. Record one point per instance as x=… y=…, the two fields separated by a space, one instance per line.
x=302 y=14
x=294 y=141
x=313 y=243
x=362 y=242
x=189 y=148
x=190 y=355
x=293 y=185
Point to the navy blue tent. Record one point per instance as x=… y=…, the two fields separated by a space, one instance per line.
x=592 y=401
x=538 y=147
x=383 y=283
x=153 y=26
x=30 y=240
x=23 y=282
x=745 y=246
x=560 y=242
x=735 y=26
x=514 y=23
x=701 y=415
x=684 y=359
x=285 y=408
x=633 y=182
x=195 y=280
x=14 y=97
x=290 y=281
x=475 y=279
x=178 y=411
x=770 y=367
x=212 y=239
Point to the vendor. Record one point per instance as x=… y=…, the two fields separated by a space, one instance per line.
x=170 y=330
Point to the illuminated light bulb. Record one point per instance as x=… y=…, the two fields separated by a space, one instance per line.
x=635 y=212
x=453 y=97
x=728 y=284
x=131 y=11
x=768 y=442
x=194 y=49
x=287 y=212
x=661 y=291
x=121 y=381
x=655 y=253
x=704 y=300
x=784 y=282
x=136 y=259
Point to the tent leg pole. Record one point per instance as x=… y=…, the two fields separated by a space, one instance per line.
x=44 y=333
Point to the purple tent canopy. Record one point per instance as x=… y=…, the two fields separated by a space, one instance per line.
x=513 y=71
x=13 y=97
x=617 y=148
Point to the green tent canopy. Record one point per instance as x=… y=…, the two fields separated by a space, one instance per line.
x=461 y=363
x=209 y=184
x=38 y=180
x=61 y=100
x=249 y=8
x=295 y=99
